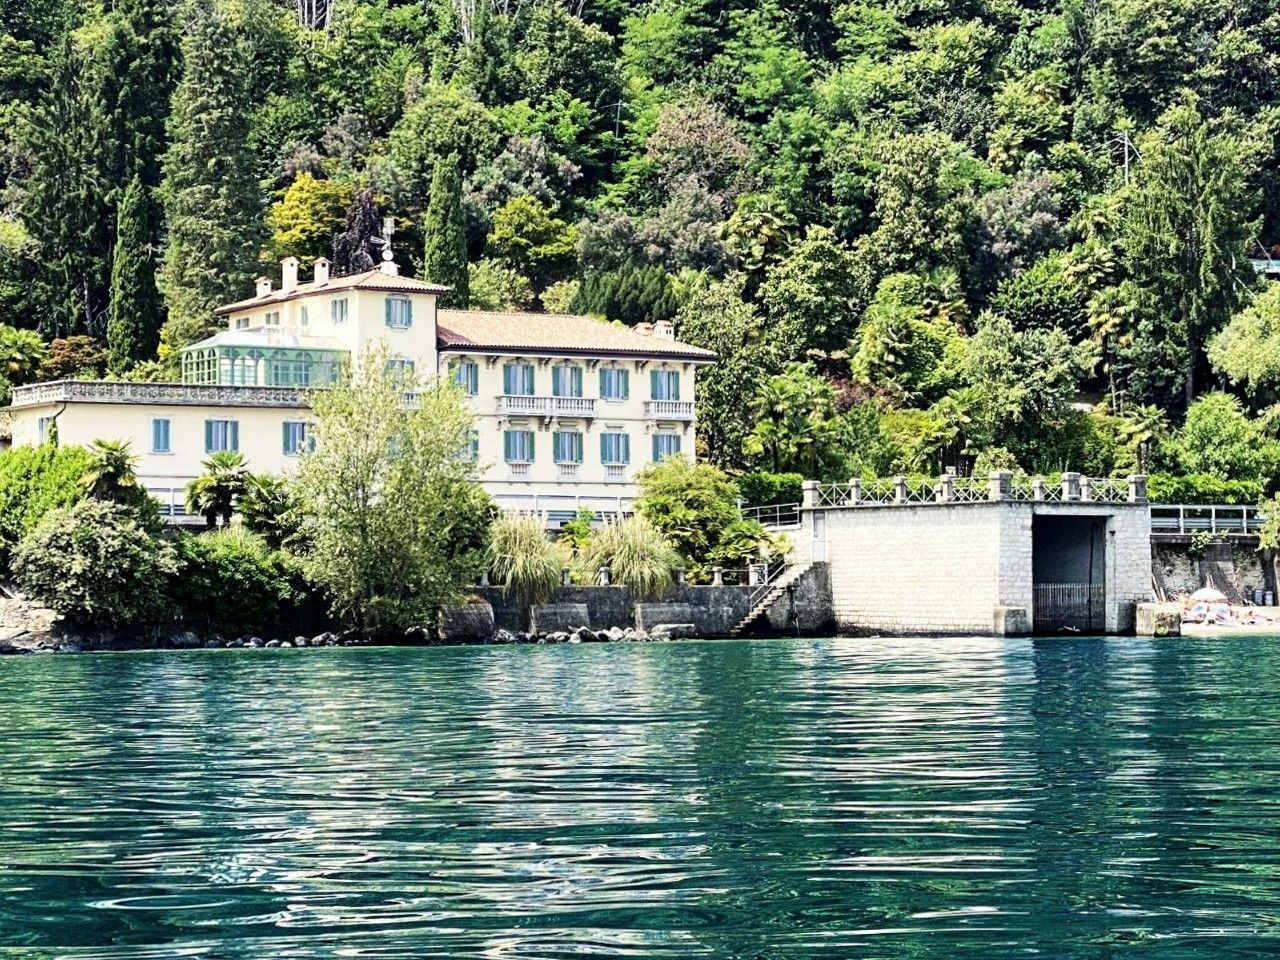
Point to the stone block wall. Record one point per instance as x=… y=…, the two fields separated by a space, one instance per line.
x=1235 y=562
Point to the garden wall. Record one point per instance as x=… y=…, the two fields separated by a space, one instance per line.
x=1233 y=566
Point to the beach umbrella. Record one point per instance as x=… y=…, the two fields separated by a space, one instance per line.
x=1209 y=595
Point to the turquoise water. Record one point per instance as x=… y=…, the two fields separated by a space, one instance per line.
x=948 y=799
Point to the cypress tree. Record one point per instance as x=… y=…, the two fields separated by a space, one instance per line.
x=135 y=85
x=446 y=254
x=133 y=331
x=211 y=198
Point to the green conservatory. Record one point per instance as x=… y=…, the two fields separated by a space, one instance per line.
x=244 y=361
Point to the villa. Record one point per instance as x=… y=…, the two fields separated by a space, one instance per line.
x=568 y=408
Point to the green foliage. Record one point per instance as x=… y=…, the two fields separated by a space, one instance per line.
x=133 y=332
x=902 y=350
x=636 y=553
x=691 y=505
x=390 y=521
x=522 y=559
x=33 y=482
x=267 y=508
x=632 y=294
x=306 y=218
x=215 y=493
x=1247 y=350
x=493 y=286
x=795 y=422
x=762 y=489
x=211 y=199
x=232 y=581
x=96 y=564
x=1218 y=439
x=527 y=238
x=814 y=296
x=446 y=255
x=21 y=354
x=576 y=533
x=1201 y=488
x=72 y=357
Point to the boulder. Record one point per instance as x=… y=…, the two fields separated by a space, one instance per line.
x=583 y=635
x=272 y=644
x=186 y=640
x=672 y=631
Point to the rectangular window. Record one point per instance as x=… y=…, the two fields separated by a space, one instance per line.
x=161 y=428
x=615 y=448
x=665 y=446
x=517 y=379
x=44 y=425
x=664 y=385
x=273 y=318
x=399 y=313
x=466 y=374
x=567 y=446
x=614 y=384
x=242 y=323
x=566 y=381
x=221 y=435
x=517 y=446
x=400 y=367
x=296 y=438
x=338 y=310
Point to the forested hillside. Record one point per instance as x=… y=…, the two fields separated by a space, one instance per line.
x=920 y=233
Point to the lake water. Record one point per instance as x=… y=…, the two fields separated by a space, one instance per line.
x=949 y=799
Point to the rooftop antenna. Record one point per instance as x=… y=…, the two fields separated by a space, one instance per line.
x=388 y=257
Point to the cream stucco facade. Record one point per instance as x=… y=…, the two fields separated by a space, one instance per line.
x=567 y=409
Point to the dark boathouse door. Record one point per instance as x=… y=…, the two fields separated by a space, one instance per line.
x=1069 y=562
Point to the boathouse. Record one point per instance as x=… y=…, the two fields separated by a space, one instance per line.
x=980 y=555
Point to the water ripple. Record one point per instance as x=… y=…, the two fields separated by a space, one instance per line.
x=951 y=799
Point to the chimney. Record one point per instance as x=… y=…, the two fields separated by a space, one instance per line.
x=644 y=328
x=321 y=274
x=264 y=286
x=288 y=273
x=664 y=329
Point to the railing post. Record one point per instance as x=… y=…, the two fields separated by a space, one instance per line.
x=1070 y=486
x=680 y=578
x=1213 y=519
x=1182 y=522
x=809 y=494
x=753 y=575
x=899 y=489
x=605 y=576
x=1138 y=488
x=946 y=489
x=565 y=575
x=1086 y=489
x=717 y=576
x=1000 y=485
x=1038 y=489
x=855 y=491
x=1244 y=519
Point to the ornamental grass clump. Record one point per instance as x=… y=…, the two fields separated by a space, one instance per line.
x=636 y=553
x=521 y=558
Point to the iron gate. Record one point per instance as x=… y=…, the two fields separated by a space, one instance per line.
x=1070 y=606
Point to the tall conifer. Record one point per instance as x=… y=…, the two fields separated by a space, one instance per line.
x=134 y=329
x=446 y=253
x=211 y=198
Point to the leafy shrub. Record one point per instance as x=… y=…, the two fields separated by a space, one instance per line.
x=265 y=507
x=34 y=481
x=1202 y=488
x=762 y=489
x=744 y=542
x=522 y=559
x=636 y=553
x=690 y=504
x=232 y=581
x=96 y=564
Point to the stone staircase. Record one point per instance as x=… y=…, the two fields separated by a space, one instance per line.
x=768 y=594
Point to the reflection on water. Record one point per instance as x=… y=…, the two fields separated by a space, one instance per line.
x=947 y=799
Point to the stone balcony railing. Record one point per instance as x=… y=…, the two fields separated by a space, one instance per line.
x=514 y=405
x=668 y=410
x=1001 y=485
x=185 y=394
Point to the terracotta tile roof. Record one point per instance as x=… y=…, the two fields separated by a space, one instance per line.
x=370 y=280
x=557 y=332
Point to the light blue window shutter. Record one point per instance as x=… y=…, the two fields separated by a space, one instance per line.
x=506 y=446
x=673 y=385
x=604 y=385
x=528 y=379
x=408 y=312
x=655 y=385
x=506 y=378
x=575 y=376
x=657 y=452
x=389 y=305
x=557 y=381
x=208 y=436
x=604 y=448
x=624 y=384
x=235 y=434
x=625 y=443
x=286 y=441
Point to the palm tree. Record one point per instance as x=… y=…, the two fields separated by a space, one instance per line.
x=21 y=353
x=214 y=493
x=110 y=475
x=1141 y=427
x=265 y=506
